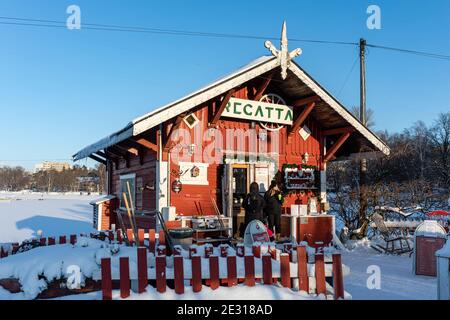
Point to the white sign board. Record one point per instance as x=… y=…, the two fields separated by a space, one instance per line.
x=194 y=173
x=258 y=111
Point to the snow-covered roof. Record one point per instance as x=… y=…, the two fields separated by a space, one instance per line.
x=250 y=71
x=102 y=199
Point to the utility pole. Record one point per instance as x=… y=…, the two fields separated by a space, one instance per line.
x=362 y=77
x=362 y=118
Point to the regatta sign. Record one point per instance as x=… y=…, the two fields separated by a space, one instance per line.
x=258 y=111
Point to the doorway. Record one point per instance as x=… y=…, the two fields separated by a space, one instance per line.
x=240 y=188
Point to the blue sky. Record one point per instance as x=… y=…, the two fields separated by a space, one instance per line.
x=61 y=90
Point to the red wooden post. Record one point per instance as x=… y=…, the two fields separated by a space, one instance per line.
x=223 y=250
x=119 y=236
x=320 y=274
x=209 y=250
x=256 y=251
x=178 y=273
x=151 y=240
x=338 y=280
x=111 y=235
x=273 y=252
x=232 y=271
x=142 y=269
x=240 y=250
x=302 y=265
x=249 y=271
x=73 y=239
x=130 y=236
x=124 y=277
x=196 y=274
x=160 y=274
x=106 y=279
x=62 y=239
x=285 y=269
x=162 y=238
x=161 y=250
x=43 y=241
x=267 y=268
x=214 y=272
x=192 y=251
x=141 y=235
x=51 y=241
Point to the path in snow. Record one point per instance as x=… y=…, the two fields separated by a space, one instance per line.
x=55 y=215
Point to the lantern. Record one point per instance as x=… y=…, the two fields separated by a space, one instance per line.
x=176 y=186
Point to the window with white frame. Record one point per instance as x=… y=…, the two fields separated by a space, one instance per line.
x=127 y=186
x=191 y=120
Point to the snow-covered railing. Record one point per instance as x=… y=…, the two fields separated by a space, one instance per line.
x=15 y=248
x=227 y=267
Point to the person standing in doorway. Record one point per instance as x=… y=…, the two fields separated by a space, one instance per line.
x=253 y=205
x=272 y=211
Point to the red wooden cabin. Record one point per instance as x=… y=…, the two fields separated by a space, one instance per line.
x=254 y=122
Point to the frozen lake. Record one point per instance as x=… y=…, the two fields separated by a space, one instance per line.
x=23 y=214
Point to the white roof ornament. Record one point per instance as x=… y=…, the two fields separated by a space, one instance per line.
x=283 y=55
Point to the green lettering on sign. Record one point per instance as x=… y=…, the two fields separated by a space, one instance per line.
x=279 y=111
x=259 y=112
x=289 y=116
x=235 y=107
x=245 y=109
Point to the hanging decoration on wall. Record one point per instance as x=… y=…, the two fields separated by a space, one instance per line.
x=177 y=186
x=195 y=172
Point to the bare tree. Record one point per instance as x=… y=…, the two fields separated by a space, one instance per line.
x=370 y=116
x=440 y=136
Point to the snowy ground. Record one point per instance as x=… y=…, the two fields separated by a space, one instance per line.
x=397 y=279
x=22 y=214
x=71 y=213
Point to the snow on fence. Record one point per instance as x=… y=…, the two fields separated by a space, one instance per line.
x=293 y=266
x=15 y=248
x=225 y=268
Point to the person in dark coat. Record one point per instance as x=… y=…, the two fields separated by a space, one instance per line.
x=272 y=211
x=253 y=205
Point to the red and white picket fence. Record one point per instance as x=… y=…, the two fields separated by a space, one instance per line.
x=292 y=270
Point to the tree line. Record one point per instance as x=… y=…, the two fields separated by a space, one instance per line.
x=75 y=179
x=415 y=176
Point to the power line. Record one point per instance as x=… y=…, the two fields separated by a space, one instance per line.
x=348 y=76
x=108 y=27
x=134 y=29
x=420 y=53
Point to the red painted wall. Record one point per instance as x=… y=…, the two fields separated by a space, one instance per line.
x=196 y=200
